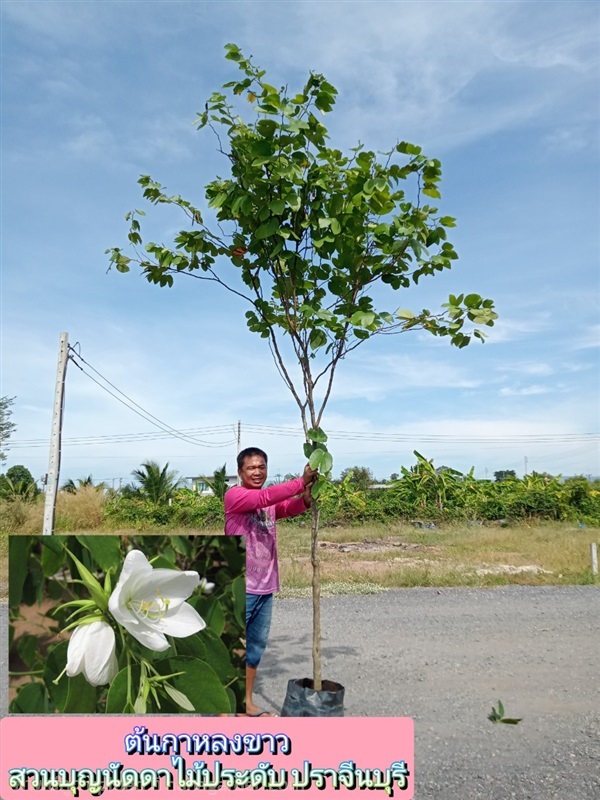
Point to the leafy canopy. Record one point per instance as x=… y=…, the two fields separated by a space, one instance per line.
x=314 y=234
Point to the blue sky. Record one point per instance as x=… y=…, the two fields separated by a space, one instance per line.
x=504 y=93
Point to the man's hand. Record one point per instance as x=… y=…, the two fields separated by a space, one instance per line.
x=309 y=475
x=306 y=495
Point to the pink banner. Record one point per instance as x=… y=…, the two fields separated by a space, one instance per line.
x=167 y=757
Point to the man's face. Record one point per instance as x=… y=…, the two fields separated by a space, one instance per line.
x=253 y=472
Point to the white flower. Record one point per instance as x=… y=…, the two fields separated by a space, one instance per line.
x=205 y=586
x=149 y=603
x=91 y=650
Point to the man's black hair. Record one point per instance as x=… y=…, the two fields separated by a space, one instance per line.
x=248 y=452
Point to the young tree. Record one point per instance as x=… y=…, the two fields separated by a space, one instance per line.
x=315 y=236
x=360 y=477
x=6 y=426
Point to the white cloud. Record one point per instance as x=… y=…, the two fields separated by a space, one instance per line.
x=589 y=338
x=539 y=368
x=510 y=330
x=524 y=391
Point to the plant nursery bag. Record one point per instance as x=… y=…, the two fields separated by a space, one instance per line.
x=301 y=700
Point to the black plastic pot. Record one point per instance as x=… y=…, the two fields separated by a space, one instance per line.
x=301 y=700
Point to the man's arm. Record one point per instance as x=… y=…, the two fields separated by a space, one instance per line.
x=239 y=500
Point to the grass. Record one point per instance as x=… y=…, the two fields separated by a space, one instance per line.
x=354 y=559
x=399 y=555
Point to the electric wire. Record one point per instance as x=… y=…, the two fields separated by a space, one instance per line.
x=146 y=415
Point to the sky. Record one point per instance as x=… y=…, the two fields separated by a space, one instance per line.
x=505 y=94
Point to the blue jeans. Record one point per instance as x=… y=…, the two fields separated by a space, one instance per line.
x=259 y=608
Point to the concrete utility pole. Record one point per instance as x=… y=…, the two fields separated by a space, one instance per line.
x=55 y=436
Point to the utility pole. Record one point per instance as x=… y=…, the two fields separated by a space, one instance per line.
x=55 y=436
x=239 y=446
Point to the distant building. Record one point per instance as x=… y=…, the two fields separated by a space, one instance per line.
x=200 y=485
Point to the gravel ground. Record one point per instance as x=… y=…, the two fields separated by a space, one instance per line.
x=444 y=657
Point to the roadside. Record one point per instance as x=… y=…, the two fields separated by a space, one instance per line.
x=444 y=657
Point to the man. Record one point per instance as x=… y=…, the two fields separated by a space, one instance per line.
x=251 y=511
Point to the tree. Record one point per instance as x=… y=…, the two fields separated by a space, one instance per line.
x=71 y=487
x=504 y=474
x=6 y=426
x=359 y=477
x=315 y=238
x=156 y=485
x=218 y=482
x=18 y=482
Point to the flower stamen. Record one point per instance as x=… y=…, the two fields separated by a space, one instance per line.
x=154 y=610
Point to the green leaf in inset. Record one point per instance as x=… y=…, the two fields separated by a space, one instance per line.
x=53 y=555
x=105 y=550
x=19 y=548
x=211 y=612
x=238 y=589
x=56 y=660
x=31 y=699
x=217 y=655
x=198 y=682
x=81 y=696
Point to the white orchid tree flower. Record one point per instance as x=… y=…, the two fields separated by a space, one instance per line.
x=91 y=650
x=150 y=603
x=205 y=586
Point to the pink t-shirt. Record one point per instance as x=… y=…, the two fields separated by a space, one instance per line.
x=252 y=513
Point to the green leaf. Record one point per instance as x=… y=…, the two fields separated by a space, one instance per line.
x=199 y=683
x=31 y=699
x=268 y=228
x=317 y=435
x=321 y=460
x=211 y=612
x=116 y=700
x=81 y=696
x=56 y=660
x=53 y=555
x=19 y=548
x=405 y=313
x=28 y=649
x=217 y=655
x=91 y=584
x=105 y=550
x=178 y=697
x=318 y=338
x=238 y=589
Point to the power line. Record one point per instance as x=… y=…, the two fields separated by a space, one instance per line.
x=146 y=415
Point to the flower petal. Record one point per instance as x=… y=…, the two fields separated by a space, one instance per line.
x=136 y=568
x=100 y=664
x=171 y=583
x=91 y=650
x=184 y=622
x=76 y=651
x=148 y=635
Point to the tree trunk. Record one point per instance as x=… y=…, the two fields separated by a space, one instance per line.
x=316 y=596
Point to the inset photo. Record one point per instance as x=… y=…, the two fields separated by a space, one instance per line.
x=127 y=625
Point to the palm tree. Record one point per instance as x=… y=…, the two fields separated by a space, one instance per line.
x=218 y=482
x=156 y=485
x=71 y=487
